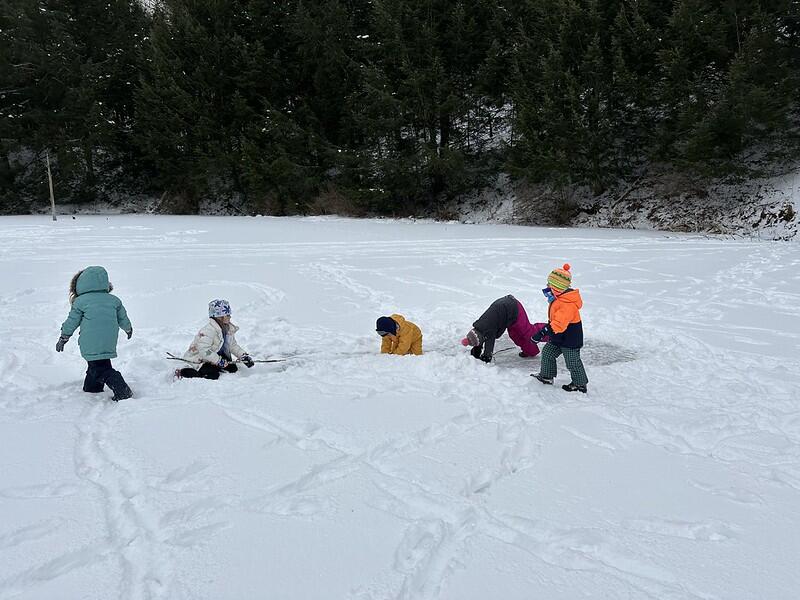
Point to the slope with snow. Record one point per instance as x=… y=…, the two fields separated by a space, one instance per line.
x=342 y=473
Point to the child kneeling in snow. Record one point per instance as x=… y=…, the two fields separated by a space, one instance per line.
x=399 y=336
x=504 y=313
x=100 y=315
x=215 y=345
x=565 y=330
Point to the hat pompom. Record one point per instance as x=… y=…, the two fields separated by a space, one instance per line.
x=474 y=337
x=465 y=342
x=566 y=267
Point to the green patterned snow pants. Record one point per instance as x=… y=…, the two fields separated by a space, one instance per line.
x=572 y=356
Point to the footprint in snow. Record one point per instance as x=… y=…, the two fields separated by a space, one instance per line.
x=55 y=490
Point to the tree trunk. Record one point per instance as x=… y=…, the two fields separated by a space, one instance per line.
x=88 y=157
x=444 y=130
x=6 y=174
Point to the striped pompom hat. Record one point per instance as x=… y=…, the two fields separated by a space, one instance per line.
x=560 y=279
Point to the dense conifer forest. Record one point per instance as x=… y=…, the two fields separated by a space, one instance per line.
x=384 y=106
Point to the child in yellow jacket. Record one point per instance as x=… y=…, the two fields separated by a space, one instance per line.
x=399 y=336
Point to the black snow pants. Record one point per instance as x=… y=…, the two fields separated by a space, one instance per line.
x=208 y=371
x=99 y=374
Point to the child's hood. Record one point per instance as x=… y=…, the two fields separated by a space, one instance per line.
x=93 y=279
x=573 y=297
x=399 y=319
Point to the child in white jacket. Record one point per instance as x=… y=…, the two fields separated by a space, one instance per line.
x=215 y=345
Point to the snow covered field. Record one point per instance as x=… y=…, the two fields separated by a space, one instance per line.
x=344 y=474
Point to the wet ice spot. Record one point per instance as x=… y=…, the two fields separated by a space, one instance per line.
x=596 y=352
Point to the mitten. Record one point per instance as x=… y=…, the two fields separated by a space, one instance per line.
x=222 y=363
x=486 y=359
x=548 y=293
x=129 y=333
x=476 y=351
x=248 y=362
x=63 y=339
x=544 y=331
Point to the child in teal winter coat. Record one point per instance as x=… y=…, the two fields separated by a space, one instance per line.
x=100 y=315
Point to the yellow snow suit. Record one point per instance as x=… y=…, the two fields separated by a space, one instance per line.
x=408 y=339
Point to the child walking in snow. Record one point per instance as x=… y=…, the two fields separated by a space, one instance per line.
x=399 y=336
x=504 y=313
x=214 y=346
x=565 y=330
x=100 y=315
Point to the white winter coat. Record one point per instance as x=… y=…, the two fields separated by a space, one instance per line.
x=208 y=342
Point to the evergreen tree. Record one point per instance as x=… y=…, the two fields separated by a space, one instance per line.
x=108 y=35
x=69 y=66
x=397 y=104
x=760 y=88
x=431 y=76
x=730 y=77
x=564 y=95
x=637 y=39
x=303 y=136
x=40 y=67
x=196 y=97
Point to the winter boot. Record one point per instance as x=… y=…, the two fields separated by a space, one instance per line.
x=122 y=394
x=543 y=379
x=573 y=387
x=117 y=384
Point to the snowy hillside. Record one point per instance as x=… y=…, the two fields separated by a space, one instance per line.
x=763 y=208
x=344 y=474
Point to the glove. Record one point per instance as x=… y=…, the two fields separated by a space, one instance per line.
x=63 y=339
x=537 y=337
x=129 y=333
x=486 y=359
x=476 y=351
x=548 y=293
x=248 y=362
x=222 y=363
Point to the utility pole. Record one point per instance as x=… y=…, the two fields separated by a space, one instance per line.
x=50 y=181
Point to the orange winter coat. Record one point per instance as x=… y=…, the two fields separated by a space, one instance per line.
x=408 y=339
x=565 y=320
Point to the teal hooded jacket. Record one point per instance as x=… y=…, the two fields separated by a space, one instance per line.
x=98 y=313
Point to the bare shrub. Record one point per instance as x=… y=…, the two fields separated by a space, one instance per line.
x=331 y=201
x=178 y=203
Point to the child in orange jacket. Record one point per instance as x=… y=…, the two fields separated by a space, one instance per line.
x=399 y=336
x=565 y=330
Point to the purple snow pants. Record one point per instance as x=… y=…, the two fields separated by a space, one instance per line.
x=522 y=330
